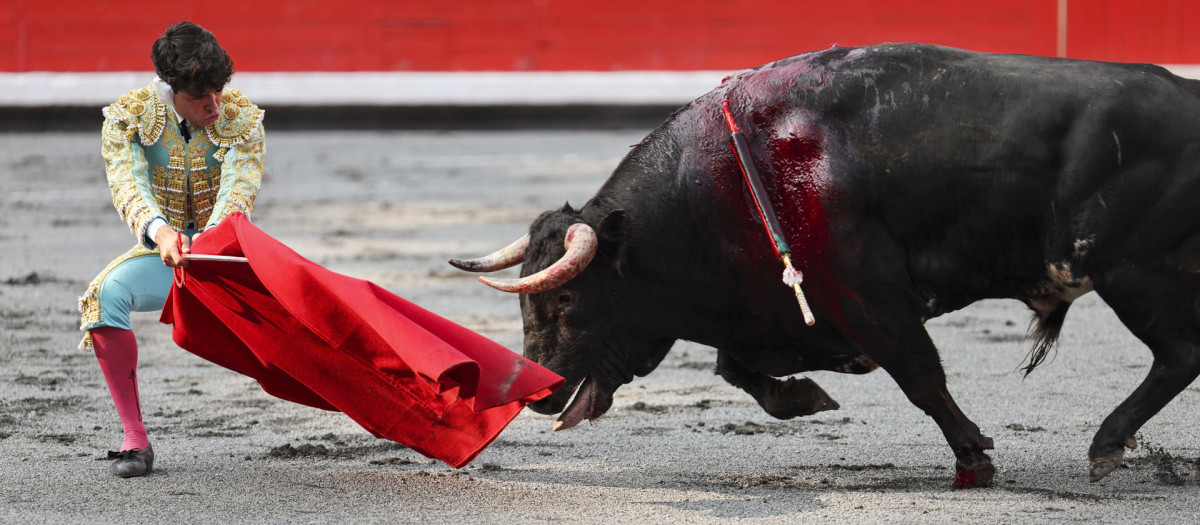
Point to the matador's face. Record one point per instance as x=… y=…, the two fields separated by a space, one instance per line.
x=199 y=112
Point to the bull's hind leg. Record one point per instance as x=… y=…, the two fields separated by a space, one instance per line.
x=780 y=399
x=1163 y=310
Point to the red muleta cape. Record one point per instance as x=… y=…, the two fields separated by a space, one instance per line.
x=330 y=341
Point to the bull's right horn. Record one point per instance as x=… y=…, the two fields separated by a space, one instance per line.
x=505 y=257
x=581 y=244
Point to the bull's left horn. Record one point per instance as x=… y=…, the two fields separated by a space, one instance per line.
x=581 y=245
x=505 y=257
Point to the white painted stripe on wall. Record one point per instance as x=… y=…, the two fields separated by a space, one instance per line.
x=1185 y=70
x=394 y=88
x=384 y=88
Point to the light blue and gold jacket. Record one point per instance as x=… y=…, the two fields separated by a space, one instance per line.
x=190 y=184
x=153 y=172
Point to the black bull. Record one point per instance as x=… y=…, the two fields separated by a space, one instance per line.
x=911 y=181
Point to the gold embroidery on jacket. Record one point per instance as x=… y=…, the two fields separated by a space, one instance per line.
x=141 y=112
x=240 y=123
x=138 y=112
x=186 y=188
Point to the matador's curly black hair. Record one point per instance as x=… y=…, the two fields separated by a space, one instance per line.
x=188 y=58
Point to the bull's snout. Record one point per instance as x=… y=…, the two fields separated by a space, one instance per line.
x=549 y=405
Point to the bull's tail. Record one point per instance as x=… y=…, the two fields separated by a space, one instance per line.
x=1044 y=329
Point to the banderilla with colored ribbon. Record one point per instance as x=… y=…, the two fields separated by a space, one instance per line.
x=741 y=150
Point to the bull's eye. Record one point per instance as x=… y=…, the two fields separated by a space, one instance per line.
x=566 y=298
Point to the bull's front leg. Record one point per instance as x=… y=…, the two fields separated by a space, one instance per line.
x=882 y=316
x=900 y=344
x=781 y=399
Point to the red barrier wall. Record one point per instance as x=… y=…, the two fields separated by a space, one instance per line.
x=1158 y=31
x=559 y=35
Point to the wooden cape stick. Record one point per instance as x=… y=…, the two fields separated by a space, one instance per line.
x=204 y=257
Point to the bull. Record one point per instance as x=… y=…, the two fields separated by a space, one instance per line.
x=910 y=181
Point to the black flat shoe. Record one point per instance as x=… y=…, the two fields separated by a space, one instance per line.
x=132 y=463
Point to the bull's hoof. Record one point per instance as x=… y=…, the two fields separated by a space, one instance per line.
x=1105 y=463
x=980 y=476
x=797 y=397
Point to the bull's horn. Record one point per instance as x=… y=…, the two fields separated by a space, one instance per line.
x=505 y=257
x=580 y=243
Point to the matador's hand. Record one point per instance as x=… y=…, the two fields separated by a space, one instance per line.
x=173 y=247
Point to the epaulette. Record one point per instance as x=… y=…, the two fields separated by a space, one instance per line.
x=141 y=112
x=239 y=120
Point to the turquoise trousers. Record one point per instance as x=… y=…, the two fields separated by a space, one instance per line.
x=140 y=284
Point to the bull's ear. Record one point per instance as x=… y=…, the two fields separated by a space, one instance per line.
x=614 y=230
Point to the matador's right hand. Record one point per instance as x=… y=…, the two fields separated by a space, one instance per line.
x=173 y=247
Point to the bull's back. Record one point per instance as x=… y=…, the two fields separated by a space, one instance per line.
x=975 y=162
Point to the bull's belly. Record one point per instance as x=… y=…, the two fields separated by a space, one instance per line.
x=1043 y=293
x=792 y=348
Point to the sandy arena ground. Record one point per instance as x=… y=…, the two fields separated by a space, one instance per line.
x=679 y=446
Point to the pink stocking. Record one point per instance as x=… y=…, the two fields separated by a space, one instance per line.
x=116 y=349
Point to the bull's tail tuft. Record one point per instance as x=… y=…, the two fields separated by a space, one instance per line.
x=1044 y=328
